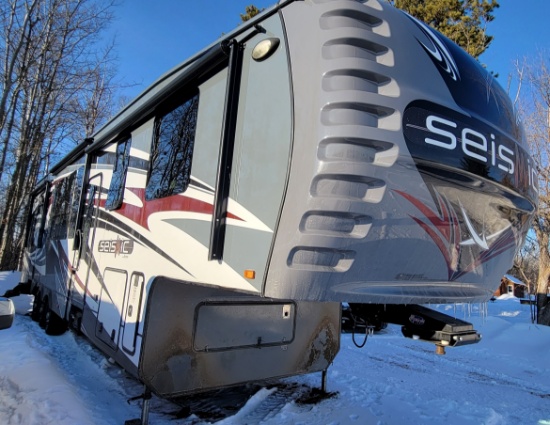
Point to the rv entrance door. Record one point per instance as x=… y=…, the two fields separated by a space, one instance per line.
x=84 y=262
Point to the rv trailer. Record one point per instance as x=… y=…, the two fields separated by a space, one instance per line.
x=323 y=152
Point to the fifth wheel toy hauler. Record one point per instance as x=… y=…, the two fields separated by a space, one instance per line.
x=322 y=152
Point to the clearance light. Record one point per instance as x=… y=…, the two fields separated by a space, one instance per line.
x=250 y=274
x=264 y=49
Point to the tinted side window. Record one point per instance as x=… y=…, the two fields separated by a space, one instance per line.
x=76 y=187
x=64 y=205
x=116 y=188
x=172 y=151
x=36 y=225
x=61 y=207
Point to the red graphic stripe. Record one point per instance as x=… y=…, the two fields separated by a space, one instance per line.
x=140 y=215
x=444 y=225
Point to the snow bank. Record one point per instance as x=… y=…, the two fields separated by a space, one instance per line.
x=32 y=389
x=392 y=380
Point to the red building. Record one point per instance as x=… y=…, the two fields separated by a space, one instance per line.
x=511 y=285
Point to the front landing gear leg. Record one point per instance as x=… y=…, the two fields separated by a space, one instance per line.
x=146 y=396
x=145 y=407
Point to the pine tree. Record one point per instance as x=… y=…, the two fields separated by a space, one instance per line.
x=463 y=21
x=250 y=12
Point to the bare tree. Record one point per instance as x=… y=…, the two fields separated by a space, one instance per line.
x=533 y=102
x=96 y=100
x=54 y=80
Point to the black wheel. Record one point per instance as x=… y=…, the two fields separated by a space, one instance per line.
x=55 y=325
x=43 y=310
x=36 y=304
x=49 y=321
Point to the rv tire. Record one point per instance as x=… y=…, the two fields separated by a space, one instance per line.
x=55 y=325
x=36 y=304
x=43 y=308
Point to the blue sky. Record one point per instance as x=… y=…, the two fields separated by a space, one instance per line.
x=152 y=36
x=521 y=29
x=155 y=35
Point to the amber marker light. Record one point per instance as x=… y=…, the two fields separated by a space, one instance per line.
x=250 y=274
x=264 y=49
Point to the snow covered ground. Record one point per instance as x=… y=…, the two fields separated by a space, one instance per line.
x=505 y=379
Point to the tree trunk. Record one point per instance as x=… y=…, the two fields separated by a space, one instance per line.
x=543 y=309
x=8 y=228
x=542 y=300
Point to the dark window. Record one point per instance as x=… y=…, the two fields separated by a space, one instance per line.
x=116 y=189
x=172 y=151
x=76 y=188
x=64 y=207
x=104 y=158
x=61 y=207
x=88 y=218
x=36 y=225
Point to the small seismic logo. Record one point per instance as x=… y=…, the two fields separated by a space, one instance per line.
x=117 y=247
